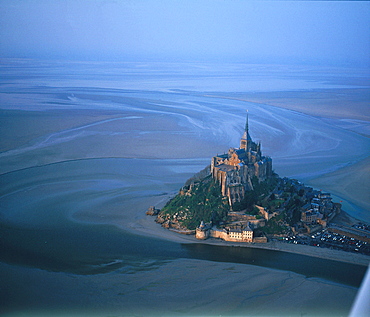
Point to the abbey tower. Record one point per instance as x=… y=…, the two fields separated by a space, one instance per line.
x=235 y=169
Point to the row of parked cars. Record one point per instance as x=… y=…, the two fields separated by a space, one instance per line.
x=326 y=239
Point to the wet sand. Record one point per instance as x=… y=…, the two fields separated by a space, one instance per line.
x=332 y=103
x=160 y=129
x=118 y=134
x=181 y=287
x=81 y=134
x=352 y=181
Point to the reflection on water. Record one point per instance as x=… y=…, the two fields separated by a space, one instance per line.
x=97 y=249
x=345 y=273
x=83 y=249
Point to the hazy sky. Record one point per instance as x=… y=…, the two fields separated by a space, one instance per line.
x=334 y=32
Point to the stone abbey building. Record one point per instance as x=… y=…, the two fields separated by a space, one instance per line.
x=235 y=170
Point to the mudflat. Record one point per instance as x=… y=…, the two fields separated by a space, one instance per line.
x=348 y=103
x=182 y=287
x=102 y=156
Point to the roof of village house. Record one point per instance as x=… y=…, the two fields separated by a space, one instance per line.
x=239 y=230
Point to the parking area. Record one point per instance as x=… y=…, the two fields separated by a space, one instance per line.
x=331 y=240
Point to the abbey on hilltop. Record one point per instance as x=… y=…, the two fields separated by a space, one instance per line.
x=240 y=199
x=235 y=169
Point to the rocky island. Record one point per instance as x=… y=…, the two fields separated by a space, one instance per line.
x=239 y=198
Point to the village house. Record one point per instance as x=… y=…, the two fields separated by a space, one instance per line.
x=235 y=234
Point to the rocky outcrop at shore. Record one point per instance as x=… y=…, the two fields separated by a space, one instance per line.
x=173 y=226
x=152 y=211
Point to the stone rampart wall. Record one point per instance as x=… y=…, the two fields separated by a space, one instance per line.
x=260 y=240
x=219 y=234
x=201 y=234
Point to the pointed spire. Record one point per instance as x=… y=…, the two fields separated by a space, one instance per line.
x=246 y=133
x=246 y=139
x=246 y=124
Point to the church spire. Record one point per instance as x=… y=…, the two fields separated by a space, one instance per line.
x=246 y=124
x=246 y=140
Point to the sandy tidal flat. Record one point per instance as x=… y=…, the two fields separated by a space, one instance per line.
x=182 y=287
x=83 y=157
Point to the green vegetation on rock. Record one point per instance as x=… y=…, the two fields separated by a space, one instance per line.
x=257 y=196
x=201 y=200
x=197 y=202
x=276 y=225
